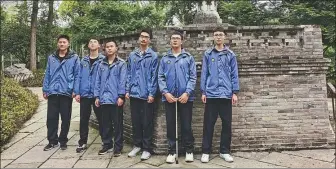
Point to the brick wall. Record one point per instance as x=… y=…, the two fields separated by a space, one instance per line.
x=282 y=103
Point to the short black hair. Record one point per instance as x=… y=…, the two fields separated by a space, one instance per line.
x=63 y=36
x=149 y=31
x=111 y=40
x=219 y=29
x=94 y=37
x=177 y=32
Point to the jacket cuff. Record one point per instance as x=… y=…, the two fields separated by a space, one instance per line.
x=122 y=96
x=164 y=91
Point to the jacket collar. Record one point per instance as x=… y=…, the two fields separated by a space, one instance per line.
x=115 y=61
x=182 y=54
x=224 y=51
x=100 y=56
x=148 y=52
x=70 y=53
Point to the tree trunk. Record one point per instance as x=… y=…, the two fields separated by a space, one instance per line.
x=50 y=26
x=33 y=36
x=51 y=13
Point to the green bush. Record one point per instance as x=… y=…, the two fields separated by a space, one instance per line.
x=35 y=81
x=18 y=104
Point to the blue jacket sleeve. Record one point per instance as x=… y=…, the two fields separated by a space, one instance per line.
x=46 y=79
x=122 y=77
x=204 y=74
x=96 y=90
x=154 y=77
x=234 y=74
x=162 y=79
x=192 y=78
x=76 y=75
x=129 y=74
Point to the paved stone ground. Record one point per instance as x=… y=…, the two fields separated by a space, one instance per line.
x=25 y=150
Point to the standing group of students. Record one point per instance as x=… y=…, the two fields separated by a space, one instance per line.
x=104 y=82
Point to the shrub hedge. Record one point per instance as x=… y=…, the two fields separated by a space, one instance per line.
x=18 y=104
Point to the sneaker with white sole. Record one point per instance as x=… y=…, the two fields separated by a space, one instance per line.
x=205 y=158
x=226 y=157
x=81 y=148
x=189 y=157
x=134 y=152
x=171 y=158
x=145 y=155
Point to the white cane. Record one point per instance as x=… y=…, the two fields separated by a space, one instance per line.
x=176 y=136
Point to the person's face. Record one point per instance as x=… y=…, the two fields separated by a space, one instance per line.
x=175 y=41
x=63 y=44
x=144 y=38
x=93 y=44
x=111 y=48
x=219 y=37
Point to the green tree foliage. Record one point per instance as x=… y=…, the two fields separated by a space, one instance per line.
x=108 y=17
x=15 y=34
x=288 y=12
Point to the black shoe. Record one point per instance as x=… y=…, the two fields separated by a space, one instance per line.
x=81 y=148
x=117 y=153
x=105 y=150
x=64 y=146
x=49 y=147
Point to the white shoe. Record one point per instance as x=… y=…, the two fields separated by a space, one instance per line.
x=189 y=157
x=134 y=152
x=145 y=155
x=205 y=158
x=226 y=157
x=171 y=158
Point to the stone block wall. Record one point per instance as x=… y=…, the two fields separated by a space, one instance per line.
x=282 y=99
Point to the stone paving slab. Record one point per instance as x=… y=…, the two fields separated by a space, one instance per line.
x=74 y=126
x=251 y=155
x=55 y=163
x=16 y=138
x=73 y=141
x=42 y=132
x=123 y=161
x=35 y=155
x=92 y=153
x=155 y=160
x=38 y=117
x=97 y=163
x=195 y=164
x=20 y=147
x=24 y=165
x=243 y=163
x=32 y=127
x=295 y=161
x=4 y=163
x=70 y=152
x=77 y=118
x=143 y=165
x=321 y=154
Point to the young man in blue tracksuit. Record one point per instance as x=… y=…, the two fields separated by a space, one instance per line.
x=110 y=95
x=219 y=86
x=177 y=80
x=59 y=86
x=141 y=89
x=87 y=79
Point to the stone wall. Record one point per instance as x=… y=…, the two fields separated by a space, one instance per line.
x=282 y=103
